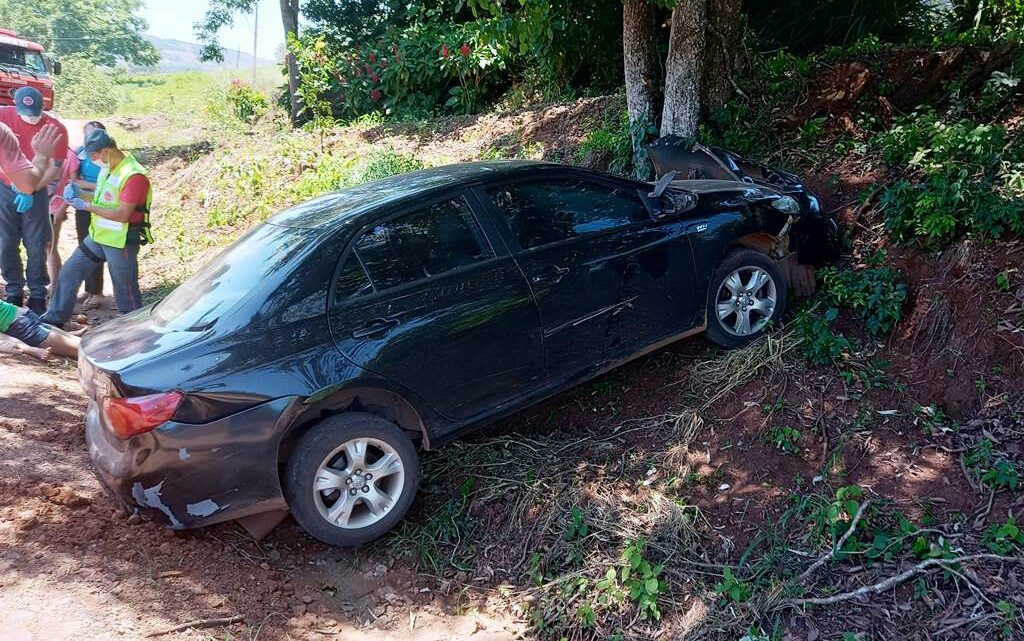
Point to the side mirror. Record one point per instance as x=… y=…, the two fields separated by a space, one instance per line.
x=55 y=67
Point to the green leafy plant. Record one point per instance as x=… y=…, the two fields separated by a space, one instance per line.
x=732 y=588
x=1004 y=538
x=1007 y=619
x=956 y=180
x=874 y=294
x=641 y=580
x=247 y=104
x=576 y=528
x=819 y=344
x=784 y=438
x=991 y=467
x=1003 y=281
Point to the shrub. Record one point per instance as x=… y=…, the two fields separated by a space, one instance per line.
x=959 y=178
x=613 y=138
x=83 y=89
x=873 y=294
x=247 y=104
x=819 y=344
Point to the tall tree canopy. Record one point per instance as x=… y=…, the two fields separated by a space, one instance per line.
x=107 y=31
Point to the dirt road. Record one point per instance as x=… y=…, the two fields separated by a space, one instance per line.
x=71 y=566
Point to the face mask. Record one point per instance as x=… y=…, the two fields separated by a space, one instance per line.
x=98 y=161
x=32 y=120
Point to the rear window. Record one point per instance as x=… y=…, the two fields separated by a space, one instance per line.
x=256 y=258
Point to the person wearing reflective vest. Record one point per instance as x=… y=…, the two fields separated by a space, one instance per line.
x=120 y=225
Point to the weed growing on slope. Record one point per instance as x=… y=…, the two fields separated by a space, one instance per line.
x=819 y=344
x=874 y=294
x=958 y=178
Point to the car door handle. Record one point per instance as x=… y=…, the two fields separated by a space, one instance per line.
x=375 y=328
x=550 y=275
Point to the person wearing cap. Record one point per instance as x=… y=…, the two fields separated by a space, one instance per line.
x=85 y=178
x=120 y=225
x=24 y=216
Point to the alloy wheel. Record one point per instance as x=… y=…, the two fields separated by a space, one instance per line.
x=358 y=483
x=746 y=301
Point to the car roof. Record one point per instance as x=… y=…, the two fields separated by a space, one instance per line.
x=342 y=207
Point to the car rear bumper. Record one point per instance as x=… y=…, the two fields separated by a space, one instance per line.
x=188 y=476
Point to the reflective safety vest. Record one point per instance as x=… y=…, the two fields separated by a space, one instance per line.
x=108 y=195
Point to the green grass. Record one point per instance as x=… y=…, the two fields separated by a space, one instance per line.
x=184 y=92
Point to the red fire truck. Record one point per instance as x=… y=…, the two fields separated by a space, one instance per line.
x=22 y=62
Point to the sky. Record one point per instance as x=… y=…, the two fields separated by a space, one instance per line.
x=174 y=18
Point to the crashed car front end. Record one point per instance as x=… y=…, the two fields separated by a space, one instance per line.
x=810 y=233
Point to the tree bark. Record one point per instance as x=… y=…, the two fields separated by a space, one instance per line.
x=640 y=57
x=723 y=28
x=290 y=21
x=683 y=69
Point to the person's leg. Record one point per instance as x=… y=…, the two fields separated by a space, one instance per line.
x=87 y=258
x=37 y=233
x=11 y=345
x=10 y=247
x=93 y=284
x=28 y=329
x=53 y=261
x=124 y=272
x=62 y=343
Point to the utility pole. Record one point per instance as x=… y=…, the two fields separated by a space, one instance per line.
x=255 y=31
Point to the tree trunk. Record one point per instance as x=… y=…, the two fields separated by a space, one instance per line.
x=681 y=113
x=723 y=28
x=639 y=42
x=290 y=20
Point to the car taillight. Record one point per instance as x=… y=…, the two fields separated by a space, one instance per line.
x=128 y=417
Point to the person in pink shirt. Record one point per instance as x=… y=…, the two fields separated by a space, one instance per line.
x=27 y=175
x=24 y=216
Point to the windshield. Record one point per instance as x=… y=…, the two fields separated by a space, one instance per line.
x=32 y=60
x=233 y=276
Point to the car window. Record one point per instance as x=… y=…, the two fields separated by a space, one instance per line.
x=546 y=212
x=426 y=243
x=352 y=280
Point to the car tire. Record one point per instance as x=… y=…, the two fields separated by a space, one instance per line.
x=735 y=299
x=336 y=500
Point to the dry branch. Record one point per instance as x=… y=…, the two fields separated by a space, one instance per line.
x=838 y=546
x=198 y=623
x=900 y=578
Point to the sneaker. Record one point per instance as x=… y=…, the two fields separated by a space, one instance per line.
x=16 y=300
x=37 y=305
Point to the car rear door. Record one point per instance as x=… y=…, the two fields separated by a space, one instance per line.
x=425 y=299
x=608 y=280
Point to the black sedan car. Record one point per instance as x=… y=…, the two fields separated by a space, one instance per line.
x=304 y=367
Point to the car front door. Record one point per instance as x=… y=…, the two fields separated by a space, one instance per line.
x=422 y=298
x=608 y=280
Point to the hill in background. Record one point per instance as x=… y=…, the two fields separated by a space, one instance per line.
x=178 y=55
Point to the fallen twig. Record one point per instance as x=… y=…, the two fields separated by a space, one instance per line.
x=198 y=623
x=839 y=545
x=900 y=578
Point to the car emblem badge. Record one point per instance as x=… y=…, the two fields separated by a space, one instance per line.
x=702 y=227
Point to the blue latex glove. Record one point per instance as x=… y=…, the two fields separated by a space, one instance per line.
x=78 y=203
x=22 y=202
x=71 y=191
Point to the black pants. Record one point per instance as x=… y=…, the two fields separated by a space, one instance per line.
x=94 y=283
